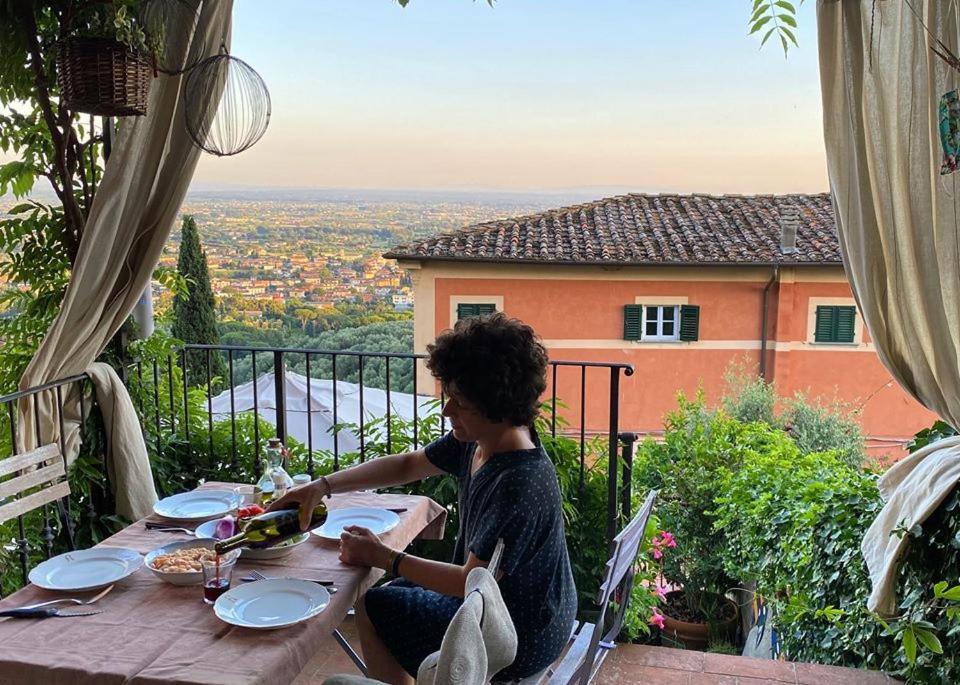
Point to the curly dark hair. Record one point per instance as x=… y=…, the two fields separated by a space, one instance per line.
x=495 y=363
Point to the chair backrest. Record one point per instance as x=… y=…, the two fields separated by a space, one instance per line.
x=618 y=578
x=30 y=480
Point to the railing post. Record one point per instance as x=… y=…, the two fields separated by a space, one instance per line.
x=612 y=456
x=280 y=395
x=627 y=444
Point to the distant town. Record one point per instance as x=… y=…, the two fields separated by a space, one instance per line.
x=269 y=250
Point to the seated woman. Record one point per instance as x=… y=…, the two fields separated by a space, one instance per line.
x=493 y=370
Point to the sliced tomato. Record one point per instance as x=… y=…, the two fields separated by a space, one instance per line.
x=251 y=510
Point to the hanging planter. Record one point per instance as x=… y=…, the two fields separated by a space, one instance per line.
x=104 y=77
x=106 y=61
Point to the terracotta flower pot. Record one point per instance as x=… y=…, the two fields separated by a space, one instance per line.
x=693 y=635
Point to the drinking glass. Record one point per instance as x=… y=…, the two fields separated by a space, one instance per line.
x=245 y=495
x=216 y=575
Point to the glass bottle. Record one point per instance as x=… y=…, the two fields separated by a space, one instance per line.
x=275 y=458
x=271 y=528
x=265 y=485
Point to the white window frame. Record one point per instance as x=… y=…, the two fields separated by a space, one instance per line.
x=659 y=336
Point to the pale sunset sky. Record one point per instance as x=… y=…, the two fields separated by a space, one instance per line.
x=640 y=95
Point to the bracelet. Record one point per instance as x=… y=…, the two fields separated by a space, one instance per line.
x=395 y=566
x=326 y=484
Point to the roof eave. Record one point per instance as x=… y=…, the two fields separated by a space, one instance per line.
x=581 y=262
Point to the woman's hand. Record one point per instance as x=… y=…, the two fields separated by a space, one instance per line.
x=303 y=497
x=360 y=547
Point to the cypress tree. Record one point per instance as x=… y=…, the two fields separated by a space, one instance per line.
x=194 y=316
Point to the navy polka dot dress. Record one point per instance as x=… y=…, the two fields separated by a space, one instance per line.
x=514 y=496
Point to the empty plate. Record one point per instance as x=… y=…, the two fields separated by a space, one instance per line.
x=269 y=604
x=86 y=569
x=196 y=505
x=379 y=521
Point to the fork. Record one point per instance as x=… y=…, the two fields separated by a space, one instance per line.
x=256 y=575
x=169 y=529
x=71 y=600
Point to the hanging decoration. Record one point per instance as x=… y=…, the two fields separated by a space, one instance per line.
x=179 y=52
x=243 y=112
x=950 y=131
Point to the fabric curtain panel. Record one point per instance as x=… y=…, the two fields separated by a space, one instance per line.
x=144 y=183
x=898 y=225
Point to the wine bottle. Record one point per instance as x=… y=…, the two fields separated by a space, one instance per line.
x=271 y=528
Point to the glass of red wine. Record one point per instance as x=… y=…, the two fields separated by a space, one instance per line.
x=217 y=572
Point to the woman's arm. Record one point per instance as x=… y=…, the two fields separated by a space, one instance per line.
x=360 y=547
x=376 y=473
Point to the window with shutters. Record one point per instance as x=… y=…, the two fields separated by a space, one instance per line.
x=469 y=309
x=835 y=324
x=661 y=322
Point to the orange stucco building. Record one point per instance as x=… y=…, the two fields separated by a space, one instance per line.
x=679 y=287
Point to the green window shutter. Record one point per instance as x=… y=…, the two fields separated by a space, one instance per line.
x=632 y=321
x=835 y=324
x=464 y=310
x=845 y=319
x=689 y=322
x=824 y=331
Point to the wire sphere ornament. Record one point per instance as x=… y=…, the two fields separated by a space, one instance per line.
x=242 y=110
x=171 y=25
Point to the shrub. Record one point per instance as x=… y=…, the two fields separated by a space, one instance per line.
x=699 y=446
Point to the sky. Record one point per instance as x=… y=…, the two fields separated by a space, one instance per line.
x=639 y=95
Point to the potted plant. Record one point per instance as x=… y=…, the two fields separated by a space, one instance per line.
x=106 y=61
x=685 y=469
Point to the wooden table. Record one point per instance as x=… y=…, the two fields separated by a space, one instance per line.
x=152 y=632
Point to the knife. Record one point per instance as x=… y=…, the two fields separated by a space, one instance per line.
x=46 y=612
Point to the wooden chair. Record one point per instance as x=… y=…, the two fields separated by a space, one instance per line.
x=32 y=479
x=590 y=644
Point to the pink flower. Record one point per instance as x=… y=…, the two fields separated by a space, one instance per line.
x=657 y=554
x=667 y=539
x=660 y=590
x=656 y=619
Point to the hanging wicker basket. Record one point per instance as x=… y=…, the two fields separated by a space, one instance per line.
x=103 y=77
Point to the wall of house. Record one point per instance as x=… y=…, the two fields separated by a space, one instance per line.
x=578 y=311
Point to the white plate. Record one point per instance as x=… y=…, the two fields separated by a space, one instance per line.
x=196 y=505
x=269 y=604
x=205 y=531
x=379 y=521
x=86 y=569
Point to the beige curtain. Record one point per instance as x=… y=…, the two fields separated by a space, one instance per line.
x=143 y=185
x=898 y=224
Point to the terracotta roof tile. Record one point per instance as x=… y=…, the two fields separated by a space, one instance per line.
x=645 y=229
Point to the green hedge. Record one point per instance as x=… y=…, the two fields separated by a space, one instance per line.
x=761 y=508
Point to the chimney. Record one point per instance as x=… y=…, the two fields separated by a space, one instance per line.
x=789 y=223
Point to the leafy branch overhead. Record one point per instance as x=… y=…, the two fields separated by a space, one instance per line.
x=775 y=18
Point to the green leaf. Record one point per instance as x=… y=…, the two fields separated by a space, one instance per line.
x=909 y=645
x=930 y=641
x=767 y=35
x=786 y=5
x=759 y=24
x=789 y=34
x=787 y=19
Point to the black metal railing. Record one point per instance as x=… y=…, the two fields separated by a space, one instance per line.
x=580 y=422
x=158 y=382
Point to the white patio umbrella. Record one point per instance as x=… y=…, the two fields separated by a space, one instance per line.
x=311 y=422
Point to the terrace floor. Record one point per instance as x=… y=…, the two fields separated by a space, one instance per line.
x=642 y=664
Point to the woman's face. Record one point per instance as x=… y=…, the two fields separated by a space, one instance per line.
x=467 y=422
